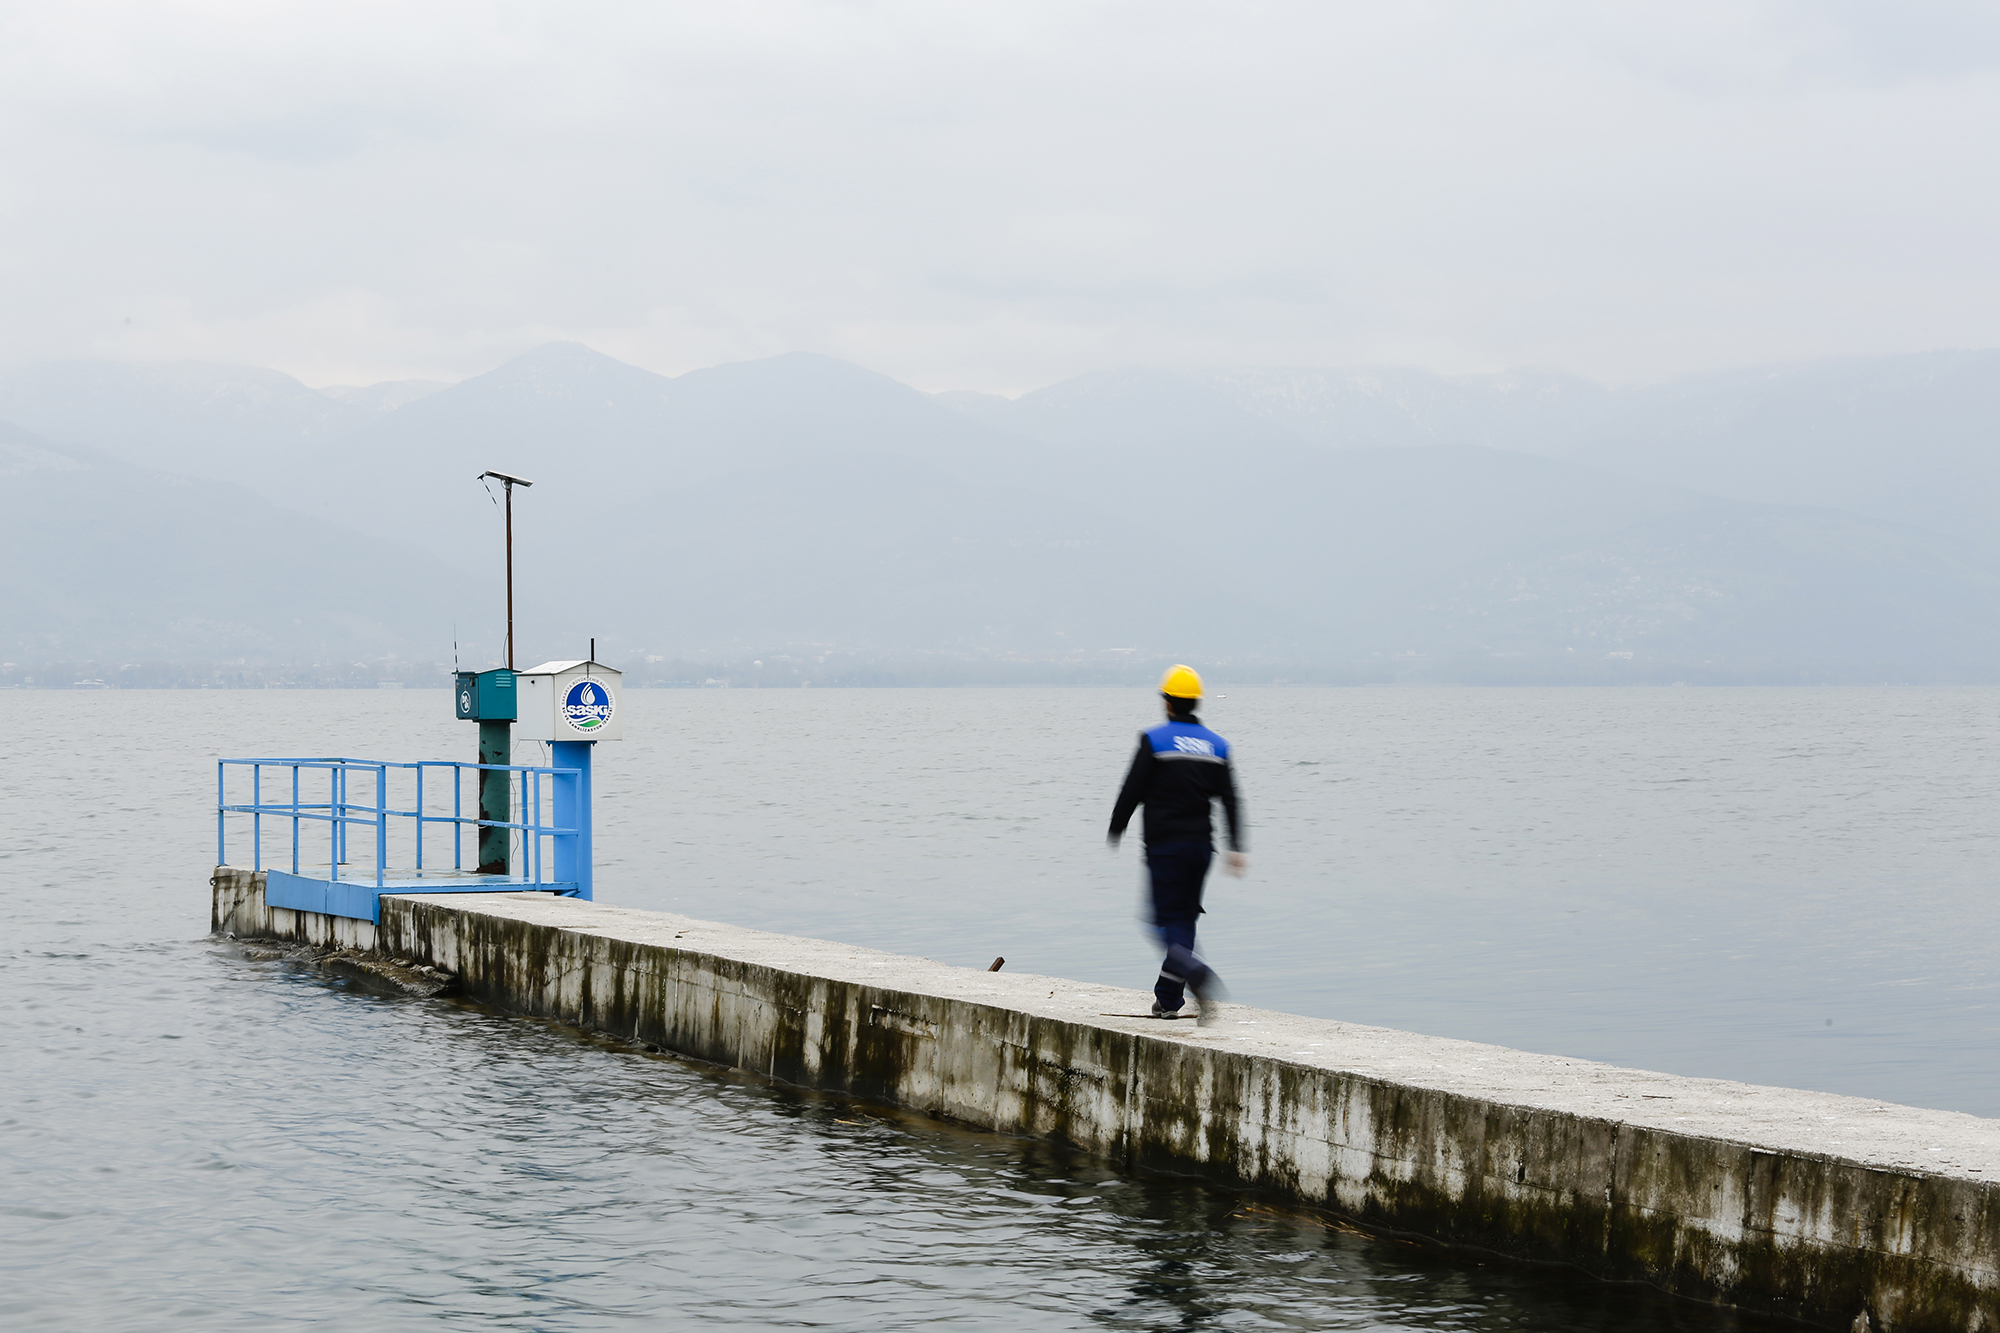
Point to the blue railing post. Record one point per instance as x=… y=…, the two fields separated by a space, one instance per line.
x=333 y=825
x=382 y=823
x=295 y=819
x=537 y=838
x=257 y=819
x=420 y=816
x=221 y=805
x=531 y=813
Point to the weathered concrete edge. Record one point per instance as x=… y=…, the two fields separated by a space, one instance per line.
x=1800 y=1234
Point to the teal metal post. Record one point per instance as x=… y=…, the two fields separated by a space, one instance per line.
x=573 y=811
x=495 y=795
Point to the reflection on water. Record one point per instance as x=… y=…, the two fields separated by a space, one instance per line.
x=1786 y=886
x=255 y=1145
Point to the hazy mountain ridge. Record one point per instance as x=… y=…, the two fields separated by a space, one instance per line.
x=232 y=423
x=1276 y=516
x=385 y=396
x=1912 y=438
x=1398 y=405
x=99 y=558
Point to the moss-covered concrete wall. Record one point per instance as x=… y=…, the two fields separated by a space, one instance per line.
x=1799 y=1231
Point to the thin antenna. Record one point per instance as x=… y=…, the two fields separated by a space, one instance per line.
x=454 y=647
x=593 y=650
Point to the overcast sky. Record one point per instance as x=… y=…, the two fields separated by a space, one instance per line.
x=1003 y=194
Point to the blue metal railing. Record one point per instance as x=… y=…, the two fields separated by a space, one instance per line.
x=340 y=811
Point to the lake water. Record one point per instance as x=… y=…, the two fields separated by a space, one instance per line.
x=1782 y=886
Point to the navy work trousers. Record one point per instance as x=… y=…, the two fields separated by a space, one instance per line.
x=1177 y=870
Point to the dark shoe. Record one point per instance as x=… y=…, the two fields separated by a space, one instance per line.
x=1165 y=1013
x=1205 y=1006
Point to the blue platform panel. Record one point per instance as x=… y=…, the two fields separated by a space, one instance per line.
x=361 y=898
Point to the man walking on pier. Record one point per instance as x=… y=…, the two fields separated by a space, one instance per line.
x=1182 y=768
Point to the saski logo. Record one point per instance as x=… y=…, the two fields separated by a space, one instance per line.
x=587 y=706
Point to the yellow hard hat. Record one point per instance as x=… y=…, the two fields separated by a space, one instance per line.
x=1181 y=682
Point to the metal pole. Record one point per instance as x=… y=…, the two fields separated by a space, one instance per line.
x=509 y=487
x=508 y=483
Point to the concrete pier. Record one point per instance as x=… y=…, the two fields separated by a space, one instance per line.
x=1845 y=1212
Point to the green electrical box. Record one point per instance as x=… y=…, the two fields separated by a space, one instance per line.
x=485 y=696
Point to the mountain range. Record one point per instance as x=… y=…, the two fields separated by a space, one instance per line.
x=1823 y=522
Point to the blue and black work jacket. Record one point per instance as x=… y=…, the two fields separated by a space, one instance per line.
x=1180 y=771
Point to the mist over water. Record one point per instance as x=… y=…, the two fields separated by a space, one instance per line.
x=1695 y=880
